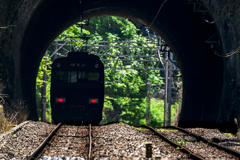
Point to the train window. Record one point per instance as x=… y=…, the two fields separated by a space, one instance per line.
x=72 y=76
x=76 y=76
x=61 y=76
x=82 y=75
x=93 y=76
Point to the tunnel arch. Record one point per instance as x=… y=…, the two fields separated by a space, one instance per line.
x=184 y=31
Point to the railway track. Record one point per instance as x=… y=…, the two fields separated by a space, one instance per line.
x=176 y=145
x=179 y=137
x=121 y=141
x=63 y=141
x=213 y=144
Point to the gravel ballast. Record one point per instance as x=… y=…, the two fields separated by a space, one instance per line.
x=121 y=141
x=70 y=141
x=200 y=148
x=115 y=141
x=20 y=144
x=218 y=137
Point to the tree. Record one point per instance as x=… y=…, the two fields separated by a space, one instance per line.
x=125 y=89
x=45 y=66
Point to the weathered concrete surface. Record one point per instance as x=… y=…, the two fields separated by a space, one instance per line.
x=229 y=29
x=14 y=17
x=211 y=84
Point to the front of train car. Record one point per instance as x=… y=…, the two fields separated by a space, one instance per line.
x=77 y=89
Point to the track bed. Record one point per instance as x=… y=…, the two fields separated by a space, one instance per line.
x=121 y=141
x=114 y=141
x=200 y=148
x=70 y=141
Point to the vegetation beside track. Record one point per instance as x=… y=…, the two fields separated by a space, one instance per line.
x=5 y=124
x=13 y=113
x=12 y=116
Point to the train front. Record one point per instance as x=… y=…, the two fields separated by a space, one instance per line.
x=77 y=89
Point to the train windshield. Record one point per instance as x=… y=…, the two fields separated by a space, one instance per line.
x=77 y=76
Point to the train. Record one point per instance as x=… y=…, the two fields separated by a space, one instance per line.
x=77 y=89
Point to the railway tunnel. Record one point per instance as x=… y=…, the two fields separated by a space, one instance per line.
x=210 y=82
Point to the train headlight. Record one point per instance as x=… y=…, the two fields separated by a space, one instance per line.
x=96 y=65
x=93 y=100
x=60 y=100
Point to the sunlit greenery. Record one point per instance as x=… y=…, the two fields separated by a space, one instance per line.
x=45 y=66
x=125 y=90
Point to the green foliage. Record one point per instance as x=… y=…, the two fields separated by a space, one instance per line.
x=73 y=32
x=11 y=134
x=136 y=115
x=228 y=134
x=125 y=90
x=45 y=66
x=180 y=141
x=157 y=112
x=126 y=83
x=101 y=26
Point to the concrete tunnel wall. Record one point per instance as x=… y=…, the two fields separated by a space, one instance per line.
x=229 y=29
x=30 y=27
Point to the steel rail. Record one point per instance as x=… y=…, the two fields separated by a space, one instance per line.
x=193 y=156
x=89 y=143
x=209 y=142
x=40 y=148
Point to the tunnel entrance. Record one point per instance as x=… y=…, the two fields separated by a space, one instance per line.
x=182 y=29
x=135 y=61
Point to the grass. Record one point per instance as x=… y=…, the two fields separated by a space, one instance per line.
x=228 y=134
x=157 y=112
x=12 y=115
x=180 y=141
x=10 y=134
x=142 y=129
x=137 y=117
x=166 y=130
x=5 y=124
